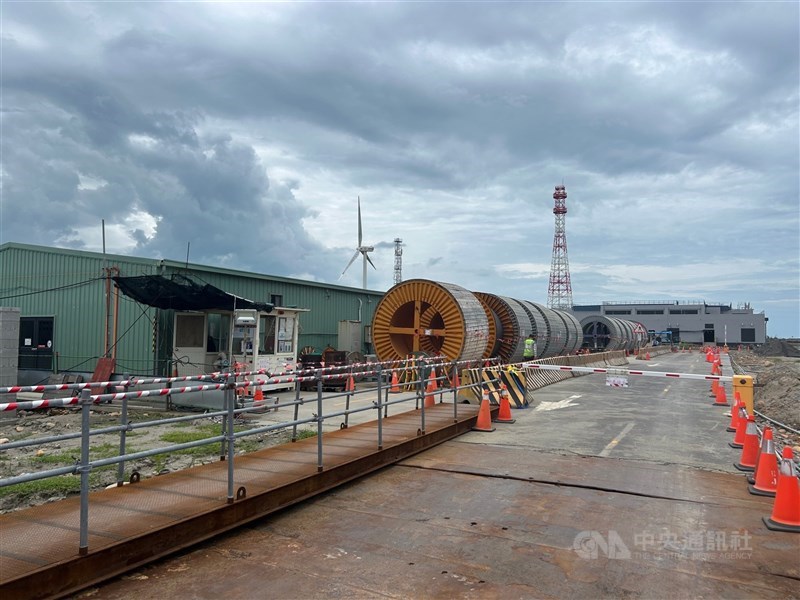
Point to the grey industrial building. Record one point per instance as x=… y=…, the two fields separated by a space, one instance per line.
x=690 y=322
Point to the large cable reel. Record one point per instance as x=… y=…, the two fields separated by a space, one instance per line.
x=420 y=315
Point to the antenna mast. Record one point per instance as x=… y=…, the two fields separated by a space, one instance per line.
x=398 y=260
x=559 y=292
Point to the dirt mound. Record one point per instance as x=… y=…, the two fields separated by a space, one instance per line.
x=777 y=347
x=778 y=393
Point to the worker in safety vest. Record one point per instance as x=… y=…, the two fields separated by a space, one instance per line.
x=529 y=352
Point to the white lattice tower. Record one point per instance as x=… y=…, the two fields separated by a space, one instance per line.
x=559 y=291
x=398 y=260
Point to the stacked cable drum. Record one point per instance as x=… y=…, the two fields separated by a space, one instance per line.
x=444 y=319
x=539 y=326
x=555 y=341
x=574 y=332
x=426 y=316
x=610 y=333
x=513 y=326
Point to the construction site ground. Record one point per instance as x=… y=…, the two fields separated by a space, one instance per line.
x=594 y=492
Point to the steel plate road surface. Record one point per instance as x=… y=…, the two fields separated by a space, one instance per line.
x=594 y=492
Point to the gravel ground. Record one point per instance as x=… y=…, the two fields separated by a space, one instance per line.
x=61 y=421
x=777 y=385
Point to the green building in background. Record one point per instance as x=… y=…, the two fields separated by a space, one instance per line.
x=72 y=313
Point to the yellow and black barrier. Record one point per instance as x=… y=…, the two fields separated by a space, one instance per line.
x=480 y=380
x=521 y=382
x=514 y=379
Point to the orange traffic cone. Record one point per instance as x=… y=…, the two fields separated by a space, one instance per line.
x=738 y=438
x=504 y=416
x=747 y=460
x=722 y=398
x=735 y=415
x=647 y=356
x=429 y=391
x=766 y=475
x=456 y=382
x=351 y=385
x=714 y=388
x=786 y=510
x=434 y=385
x=395 y=389
x=258 y=398
x=484 y=422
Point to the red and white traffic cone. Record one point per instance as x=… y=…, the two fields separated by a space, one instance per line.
x=747 y=460
x=766 y=475
x=741 y=427
x=786 y=510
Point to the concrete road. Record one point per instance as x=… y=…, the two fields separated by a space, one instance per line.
x=594 y=492
x=654 y=419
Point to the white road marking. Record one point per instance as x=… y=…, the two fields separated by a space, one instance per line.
x=566 y=402
x=613 y=443
x=666 y=389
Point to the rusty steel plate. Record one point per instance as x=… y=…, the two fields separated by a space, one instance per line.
x=136 y=524
x=469 y=521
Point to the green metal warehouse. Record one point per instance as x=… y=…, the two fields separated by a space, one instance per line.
x=66 y=298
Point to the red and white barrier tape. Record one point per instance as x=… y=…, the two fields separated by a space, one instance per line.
x=58 y=402
x=613 y=371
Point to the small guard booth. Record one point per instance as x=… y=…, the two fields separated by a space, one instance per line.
x=214 y=329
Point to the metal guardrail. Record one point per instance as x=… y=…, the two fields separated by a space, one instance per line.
x=228 y=436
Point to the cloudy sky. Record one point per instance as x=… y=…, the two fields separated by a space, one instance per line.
x=246 y=132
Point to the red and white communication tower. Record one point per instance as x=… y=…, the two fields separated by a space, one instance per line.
x=559 y=292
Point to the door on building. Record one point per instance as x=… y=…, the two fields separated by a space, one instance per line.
x=36 y=343
x=676 y=334
x=189 y=347
x=708 y=334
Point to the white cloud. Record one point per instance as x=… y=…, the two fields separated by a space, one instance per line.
x=674 y=127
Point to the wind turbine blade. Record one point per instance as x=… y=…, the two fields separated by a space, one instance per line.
x=348 y=264
x=359 y=220
x=369 y=260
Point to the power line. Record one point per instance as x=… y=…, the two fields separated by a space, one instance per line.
x=55 y=289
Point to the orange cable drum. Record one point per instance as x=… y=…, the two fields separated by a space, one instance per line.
x=432 y=317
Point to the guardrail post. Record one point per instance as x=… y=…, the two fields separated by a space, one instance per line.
x=455 y=380
x=123 y=420
x=378 y=406
x=348 y=394
x=744 y=385
x=83 y=469
x=228 y=399
x=421 y=396
x=231 y=449
x=320 y=465
x=297 y=402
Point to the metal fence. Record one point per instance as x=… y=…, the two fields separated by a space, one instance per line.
x=418 y=379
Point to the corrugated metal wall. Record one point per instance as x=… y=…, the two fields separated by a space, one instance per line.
x=68 y=285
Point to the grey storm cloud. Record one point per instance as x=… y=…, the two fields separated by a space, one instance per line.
x=248 y=130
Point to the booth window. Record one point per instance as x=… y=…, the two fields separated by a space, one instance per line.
x=285 y=334
x=218 y=332
x=266 y=328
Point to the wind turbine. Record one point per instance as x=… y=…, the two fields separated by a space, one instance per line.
x=364 y=250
